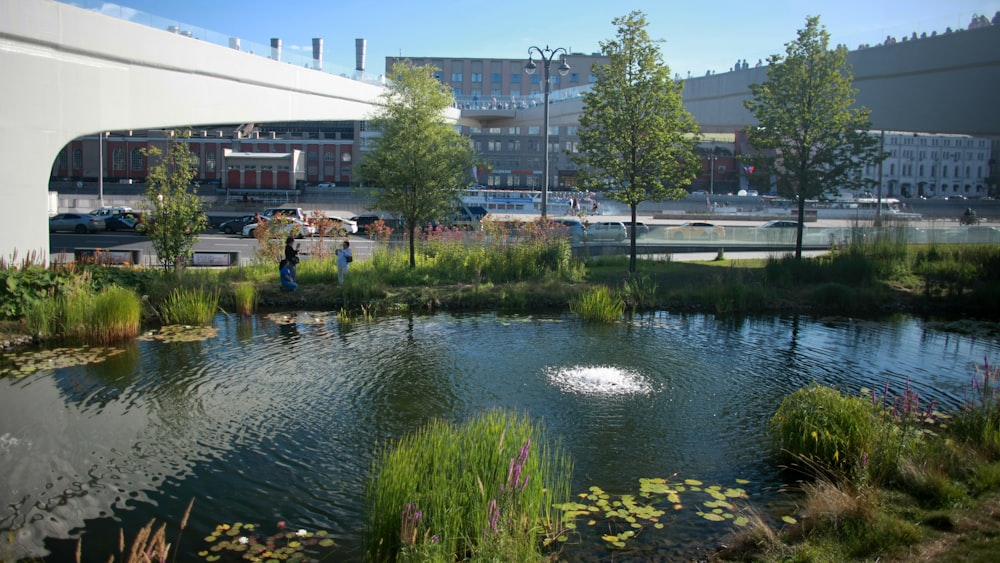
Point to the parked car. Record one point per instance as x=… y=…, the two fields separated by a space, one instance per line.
x=109 y=210
x=76 y=222
x=347 y=224
x=123 y=221
x=641 y=229
x=696 y=230
x=291 y=227
x=233 y=226
x=573 y=226
x=607 y=230
x=780 y=224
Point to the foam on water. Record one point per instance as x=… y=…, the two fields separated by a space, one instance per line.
x=599 y=380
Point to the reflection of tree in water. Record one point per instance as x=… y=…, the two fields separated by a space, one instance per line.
x=415 y=380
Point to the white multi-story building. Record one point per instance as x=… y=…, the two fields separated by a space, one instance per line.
x=932 y=165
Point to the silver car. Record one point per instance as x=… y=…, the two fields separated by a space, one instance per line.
x=607 y=230
x=76 y=222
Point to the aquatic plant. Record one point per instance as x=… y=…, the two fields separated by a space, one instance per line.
x=483 y=490
x=190 y=306
x=824 y=428
x=598 y=304
x=247 y=541
x=245 y=298
x=978 y=423
x=620 y=519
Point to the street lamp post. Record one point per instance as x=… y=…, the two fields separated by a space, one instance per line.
x=711 y=173
x=547 y=56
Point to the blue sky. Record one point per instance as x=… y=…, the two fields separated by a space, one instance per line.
x=698 y=35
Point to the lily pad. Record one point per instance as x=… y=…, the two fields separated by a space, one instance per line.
x=24 y=363
x=181 y=333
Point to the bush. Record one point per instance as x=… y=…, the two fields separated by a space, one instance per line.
x=599 y=304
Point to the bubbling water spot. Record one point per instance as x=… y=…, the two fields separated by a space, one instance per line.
x=599 y=380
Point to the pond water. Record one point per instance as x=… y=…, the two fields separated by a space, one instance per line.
x=278 y=418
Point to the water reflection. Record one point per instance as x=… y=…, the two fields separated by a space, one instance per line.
x=279 y=418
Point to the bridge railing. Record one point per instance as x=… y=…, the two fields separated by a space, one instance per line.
x=214 y=37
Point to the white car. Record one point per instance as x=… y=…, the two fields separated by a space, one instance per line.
x=350 y=226
x=293 y=227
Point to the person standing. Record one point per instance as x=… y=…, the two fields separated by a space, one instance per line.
x=344 y=258
x=292 y=256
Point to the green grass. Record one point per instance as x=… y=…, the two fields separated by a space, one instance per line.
x=482 y=490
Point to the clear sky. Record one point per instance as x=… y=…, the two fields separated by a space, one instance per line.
x=698 y=35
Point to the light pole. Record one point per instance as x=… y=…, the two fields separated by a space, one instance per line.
x=711 y=173
x=100 y=168
x=546 y=55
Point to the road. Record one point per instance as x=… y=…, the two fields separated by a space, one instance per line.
x=64 y=245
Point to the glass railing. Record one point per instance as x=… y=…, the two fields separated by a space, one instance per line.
x=288 y=53
x=514 y=102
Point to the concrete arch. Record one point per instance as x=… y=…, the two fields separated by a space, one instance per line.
x=71 y=72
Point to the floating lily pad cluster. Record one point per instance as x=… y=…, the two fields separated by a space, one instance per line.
x=303 y=318
x=180 y=333
x=246 y=541
x=626 y=516
x=24 y=363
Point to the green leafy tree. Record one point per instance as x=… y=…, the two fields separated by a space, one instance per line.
x=176 y=216
x=637 y=141
x=418 y=161
x=808 y=136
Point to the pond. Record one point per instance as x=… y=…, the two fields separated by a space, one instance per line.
x=278 y=418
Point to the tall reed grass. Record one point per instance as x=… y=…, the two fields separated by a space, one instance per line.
x=190 y=306
x=245 y=298
x=110 y=315
x=599 y=304
x=483 y=490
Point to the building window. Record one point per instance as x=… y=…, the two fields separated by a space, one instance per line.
x=456 y=77
x=77 y=159
x=515 y=78
x=311 y=155
x=137 y=160
x=210 y=162
x=476 y=76
x=514 y=131
x=535 y=79
x=345 y=171
x=493 y=131
x=495 y=78
x=118 y=159
x=328 y=156
x=249 y=166
x=513 y=145
x=457 y=90
x=574 y=78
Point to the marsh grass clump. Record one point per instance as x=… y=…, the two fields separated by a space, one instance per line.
x=483 y=490
x=822 y=426
x=115 y=315
x=978 y=424
x=245 y=298
x=599 y=304
x=190 y=306
x=81 y=314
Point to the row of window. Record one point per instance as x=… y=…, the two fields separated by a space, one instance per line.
x=936 y=142
x=253 y=167
x=907 y=170
x=945 y=155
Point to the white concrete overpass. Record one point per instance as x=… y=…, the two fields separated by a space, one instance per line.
x=69 y=72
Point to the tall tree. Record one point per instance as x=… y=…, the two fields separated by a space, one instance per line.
x=418 y=161
x=637 y=141
x=176 y=216
x=808 y=134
